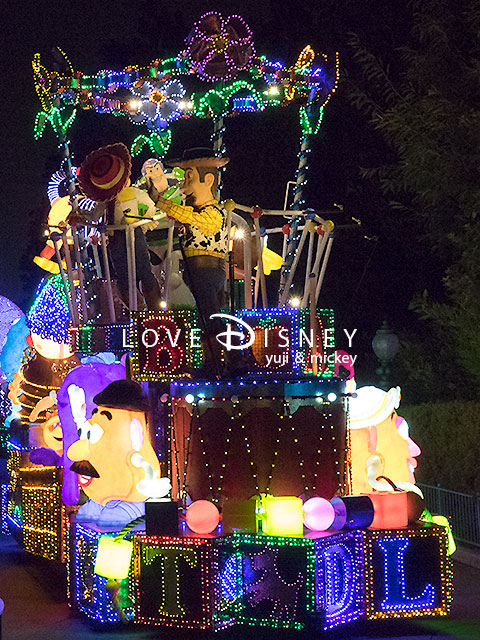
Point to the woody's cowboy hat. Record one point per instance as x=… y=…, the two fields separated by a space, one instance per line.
x=123 y=394
x=105 y=171
x=198 y=157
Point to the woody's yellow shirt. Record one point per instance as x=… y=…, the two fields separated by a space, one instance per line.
x=206 y=227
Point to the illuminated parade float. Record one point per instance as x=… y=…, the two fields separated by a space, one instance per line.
x=196 y=460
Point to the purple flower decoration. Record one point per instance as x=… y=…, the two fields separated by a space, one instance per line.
x=156 y=103
x=219 y=48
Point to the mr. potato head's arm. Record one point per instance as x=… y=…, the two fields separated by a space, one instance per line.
x=152 y=486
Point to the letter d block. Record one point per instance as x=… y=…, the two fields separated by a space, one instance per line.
x=339 y=593
x=173 y=581
x=407 y=572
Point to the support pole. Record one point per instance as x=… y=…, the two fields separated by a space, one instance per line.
x=308 y=268
x=96 y=259
x=292 y=242
x=247 y=257
x=293 y=268
x=313 y=323
x=63 y=275
x=168 y=261
x=106 y=266
x=324 y=268
x=81 y=280
x=68 y=262
x=263 y=284
x=132 y=275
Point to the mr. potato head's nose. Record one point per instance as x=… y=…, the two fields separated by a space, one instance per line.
x=79 y=450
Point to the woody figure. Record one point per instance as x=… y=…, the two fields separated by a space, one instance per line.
x=205 y=242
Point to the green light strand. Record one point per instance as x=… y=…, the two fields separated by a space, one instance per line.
x=216 y=101
x=158 y=143
x=308 y=124
x=54 y=117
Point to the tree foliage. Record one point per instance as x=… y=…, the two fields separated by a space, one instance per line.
x=428 y=111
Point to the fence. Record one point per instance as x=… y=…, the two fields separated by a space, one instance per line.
x=462 y=509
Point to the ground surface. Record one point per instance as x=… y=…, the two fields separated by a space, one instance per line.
x=34 y=594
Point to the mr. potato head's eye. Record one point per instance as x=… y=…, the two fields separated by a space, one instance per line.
x=95 y=432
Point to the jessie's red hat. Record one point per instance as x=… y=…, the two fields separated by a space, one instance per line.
x=105 y=171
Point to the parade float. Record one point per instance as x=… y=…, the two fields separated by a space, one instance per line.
x=193 y=462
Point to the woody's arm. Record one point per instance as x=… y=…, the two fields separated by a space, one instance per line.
x=208 y=221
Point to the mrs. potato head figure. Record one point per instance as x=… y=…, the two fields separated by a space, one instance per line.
x=117 y=467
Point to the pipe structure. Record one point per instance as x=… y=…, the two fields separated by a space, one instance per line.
x=239 y=222
x=81 y=279
x=324 y=268
x=293 y=268
x=313 y=323
x=308 y=268
x=263 y=284
x=168 y=261
x=132 y=272
x=63 y=275
x=68 y=262
x=106 y=267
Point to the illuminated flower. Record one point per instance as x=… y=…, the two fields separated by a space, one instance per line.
x=219 y=48
x=156 y=103
x=303 y=80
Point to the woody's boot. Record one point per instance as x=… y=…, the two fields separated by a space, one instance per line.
x=212 y=366
x=239 y=363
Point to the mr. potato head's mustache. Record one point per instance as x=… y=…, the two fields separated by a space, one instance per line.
x=84 y=468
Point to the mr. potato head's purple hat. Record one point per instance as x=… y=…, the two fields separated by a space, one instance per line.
x=123 y=394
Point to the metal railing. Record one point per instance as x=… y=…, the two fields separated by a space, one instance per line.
x=462 y=509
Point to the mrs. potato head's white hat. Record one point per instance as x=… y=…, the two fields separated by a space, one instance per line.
x=372 y=406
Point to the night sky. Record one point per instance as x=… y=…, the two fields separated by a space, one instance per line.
x=367 y=280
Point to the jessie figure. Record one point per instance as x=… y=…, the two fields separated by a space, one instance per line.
x=104 y=176
x=115 y=462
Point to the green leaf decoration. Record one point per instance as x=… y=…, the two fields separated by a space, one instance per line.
x=138 y=144
x=40 y=122
x=160 y=142
x=215 y=102
x=54 y=117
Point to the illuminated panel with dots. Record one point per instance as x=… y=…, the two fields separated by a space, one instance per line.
x=92 y=339
x=325 y=345
x=277 y=581
x=227 y=583
x=173 y=581
x=407 y=572
x=87 y=590
x=43 y=512
x=339 y=591
x=232 y=440
x=276 y=345
x=5 y=490
x=165 y=344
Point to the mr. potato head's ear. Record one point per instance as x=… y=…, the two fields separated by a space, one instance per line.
x=136 y=434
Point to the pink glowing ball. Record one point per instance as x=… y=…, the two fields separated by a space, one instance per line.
x=202 y=516
x=318 y=514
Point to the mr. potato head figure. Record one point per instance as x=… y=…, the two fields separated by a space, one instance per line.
x=116 y=465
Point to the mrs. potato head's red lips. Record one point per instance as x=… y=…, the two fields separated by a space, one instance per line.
x=85 y=469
